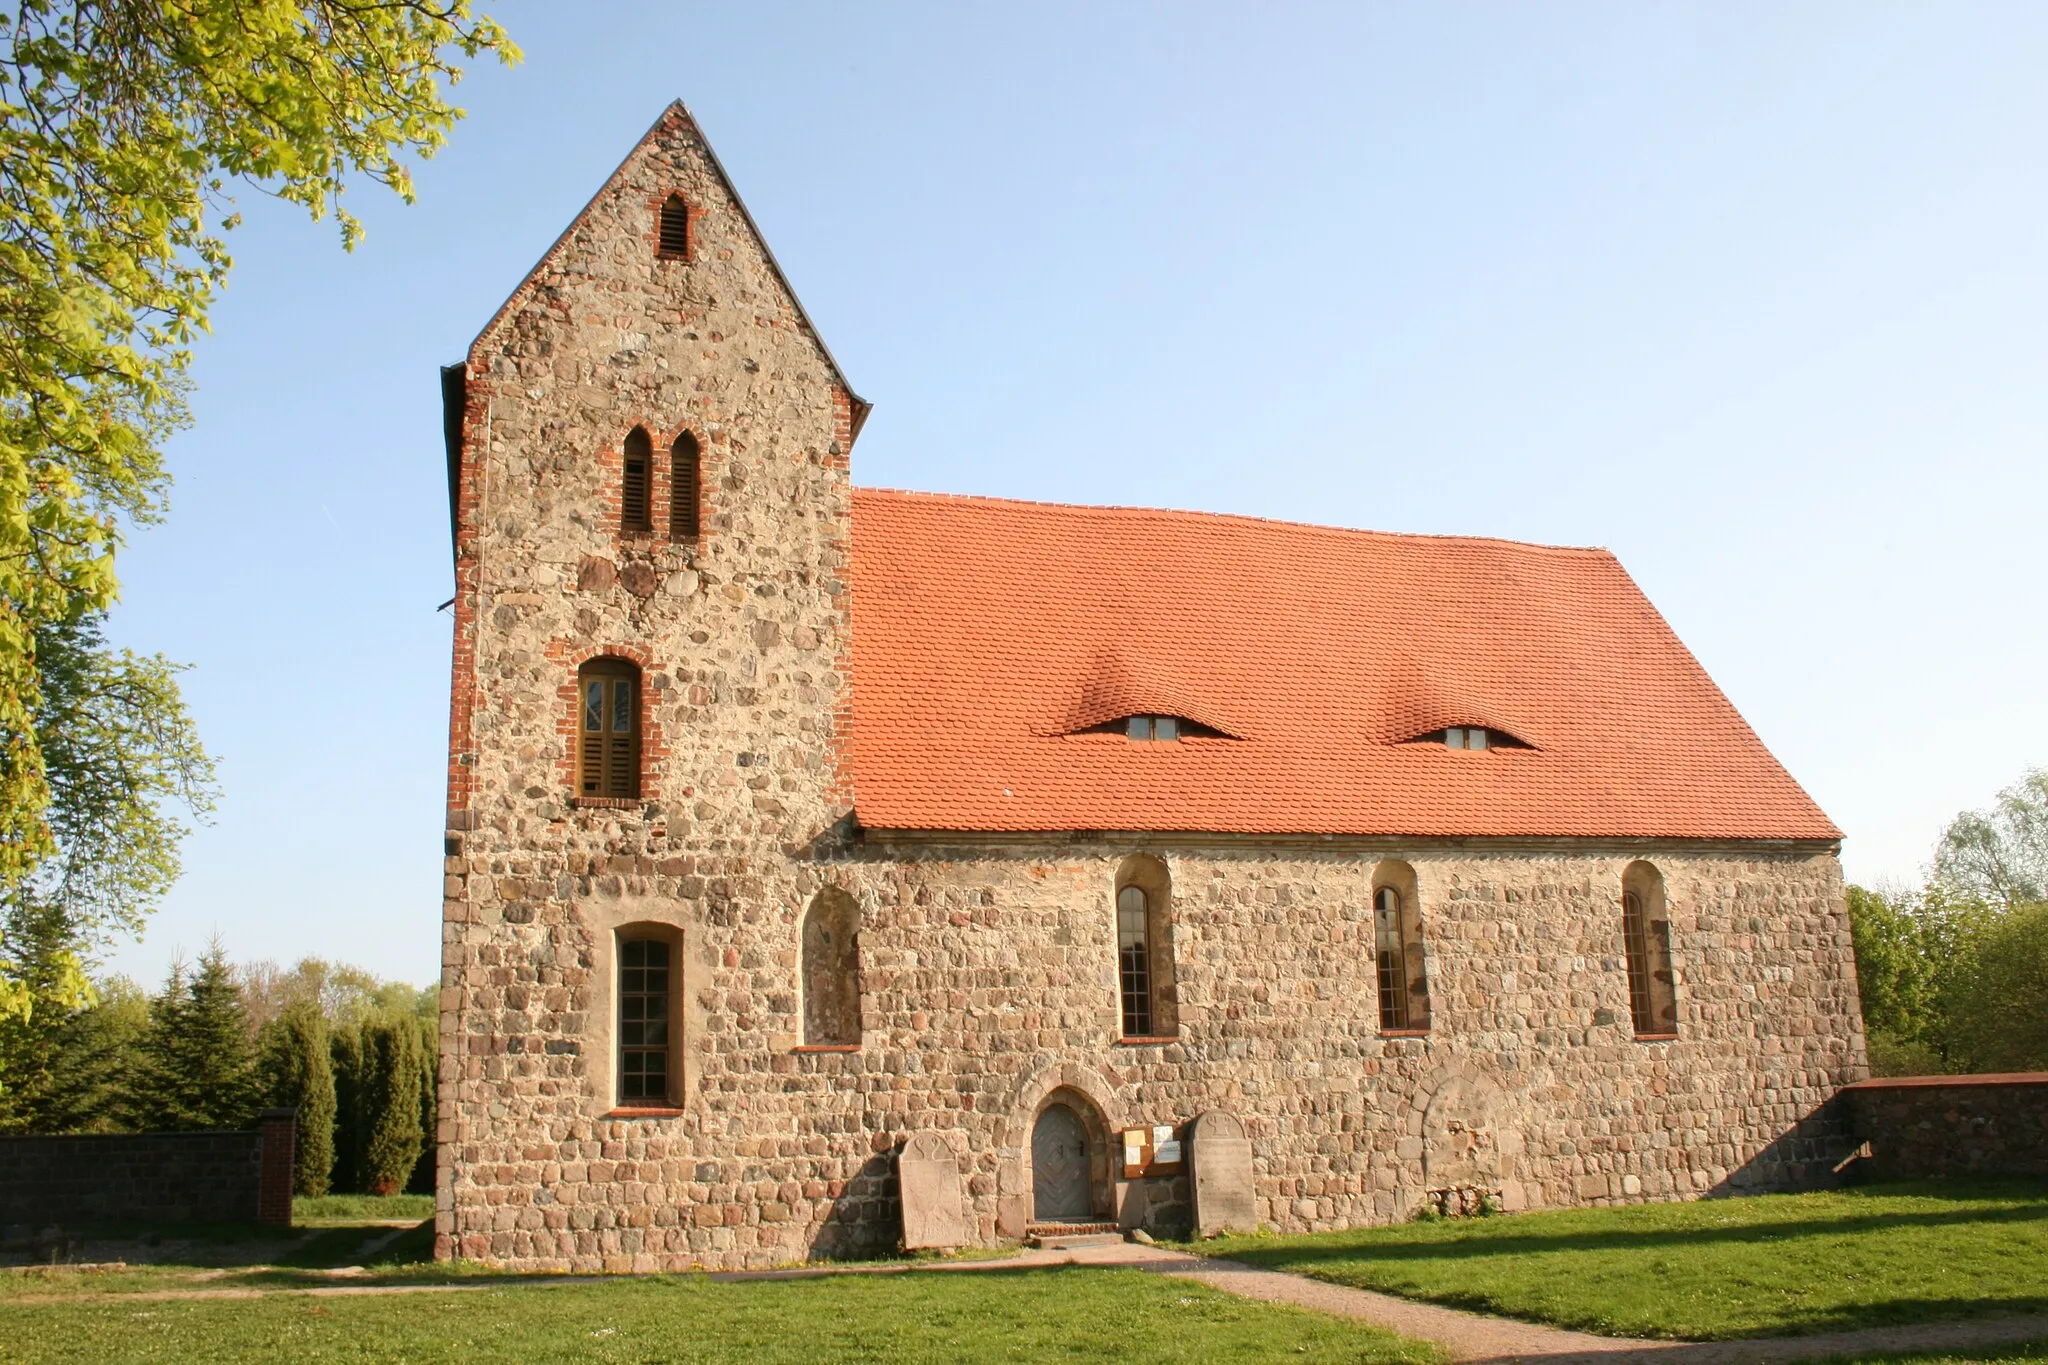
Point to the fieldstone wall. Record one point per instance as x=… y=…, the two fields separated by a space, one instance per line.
x=988 y=979
x=988 y=987
x=1951 y=1125
x=135 y=1177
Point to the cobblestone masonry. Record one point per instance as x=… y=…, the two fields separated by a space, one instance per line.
x=140 y=1177
x=1919 y=1126
x=988 y=968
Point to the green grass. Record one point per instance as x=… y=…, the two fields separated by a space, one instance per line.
x=159 y=1256
x=358 y=1208
x=1773 y=1265
x=1067 y=1315
x=2018 y=1353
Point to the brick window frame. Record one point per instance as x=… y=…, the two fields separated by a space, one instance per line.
x=675 y=227
x=570 y=656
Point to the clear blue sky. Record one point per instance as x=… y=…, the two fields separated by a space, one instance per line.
x=1755 y=295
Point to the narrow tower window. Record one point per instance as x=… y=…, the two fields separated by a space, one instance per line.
x=675 y=230
x=633 y=484
x=643 y=1021
x=682 y=489
x=608 y=729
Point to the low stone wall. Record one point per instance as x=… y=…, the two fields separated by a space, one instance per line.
x=1951 y=1125
x=236 y=1177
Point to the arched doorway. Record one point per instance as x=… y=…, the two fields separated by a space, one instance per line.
x=1062 y=1186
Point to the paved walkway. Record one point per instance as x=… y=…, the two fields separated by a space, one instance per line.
x=1465 y=1337
x=1477 y=1337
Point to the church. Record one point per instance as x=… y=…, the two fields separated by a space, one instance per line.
x=791 y=822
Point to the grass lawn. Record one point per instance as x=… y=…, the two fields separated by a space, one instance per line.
x=2020 y=1354
x=360 y=1208
x=1772 y=1265
x=1064 y=1315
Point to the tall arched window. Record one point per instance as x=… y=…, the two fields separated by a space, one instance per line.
x=1646 y=933
x=608 y=729
x=1146 y=999
x=683 y=489
x=831 y=969
x=647 y=993
x=1134 y=960
x=1397 y=950
x=673 y=243
x=633 y=483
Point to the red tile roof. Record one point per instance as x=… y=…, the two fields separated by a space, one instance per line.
x=986 y=632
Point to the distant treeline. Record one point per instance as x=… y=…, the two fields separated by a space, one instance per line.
x=1954 y=974
x=216 y=1045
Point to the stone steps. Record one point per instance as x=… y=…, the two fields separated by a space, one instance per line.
x=1071 y=1236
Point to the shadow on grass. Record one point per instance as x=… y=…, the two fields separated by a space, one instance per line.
x=1467 y=1245
x=1808 y=1322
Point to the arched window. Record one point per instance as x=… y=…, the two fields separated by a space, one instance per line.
x=1134 y=960
x=608 y=729
x=674 y=241
x=682 y=489
x=1397 y=950
x=639 y=455
x=1144 y=950
x=1646 y=933
x=831 y=969
x=649 y=974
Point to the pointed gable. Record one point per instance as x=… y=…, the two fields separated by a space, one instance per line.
x=672 y=158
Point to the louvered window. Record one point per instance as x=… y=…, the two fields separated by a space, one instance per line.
x=633 y=483
x=682 y=489
x=675 y=229
x=608 y=725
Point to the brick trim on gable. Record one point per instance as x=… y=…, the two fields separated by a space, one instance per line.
x=462 y=681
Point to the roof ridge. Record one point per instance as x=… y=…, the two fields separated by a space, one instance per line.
x=1195 y=514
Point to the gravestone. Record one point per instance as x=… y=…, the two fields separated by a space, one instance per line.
x=934 y=1204
x=1221 y=1156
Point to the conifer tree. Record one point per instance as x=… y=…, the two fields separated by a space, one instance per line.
x=96 y=1050
x=298 y=1073
x=422 y=1181
x=345 y=1048
x=392 y=1139
x=196 y=1069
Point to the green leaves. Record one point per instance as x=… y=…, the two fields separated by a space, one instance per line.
x=2001 y=854
x=122 y=125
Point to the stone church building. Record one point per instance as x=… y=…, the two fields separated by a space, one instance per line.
x=790 y=820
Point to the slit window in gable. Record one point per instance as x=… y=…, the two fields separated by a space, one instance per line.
x=674 y=239
x=633 y=510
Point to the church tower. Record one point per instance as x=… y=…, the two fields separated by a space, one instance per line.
x=648 y=477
